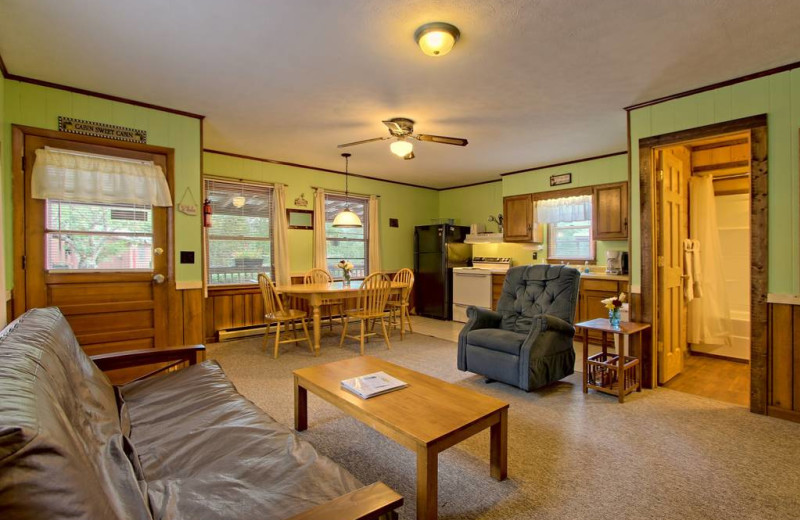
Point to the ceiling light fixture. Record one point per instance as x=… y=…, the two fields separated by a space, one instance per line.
x=346 y=218
x=437 y=38
x=401 y=148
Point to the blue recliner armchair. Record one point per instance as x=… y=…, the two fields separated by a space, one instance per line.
x=528 y=341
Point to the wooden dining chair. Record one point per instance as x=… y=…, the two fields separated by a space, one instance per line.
x=371 y=305
x=318 y=275
x=398 y=304
x=275 y=313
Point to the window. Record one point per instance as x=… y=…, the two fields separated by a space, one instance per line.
x=570 y=241
x=349 y=244
x=239 y=241
x=98 y=236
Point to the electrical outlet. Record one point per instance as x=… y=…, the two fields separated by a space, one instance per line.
x=536 y=255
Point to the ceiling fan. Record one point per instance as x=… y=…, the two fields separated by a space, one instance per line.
x=401 y=130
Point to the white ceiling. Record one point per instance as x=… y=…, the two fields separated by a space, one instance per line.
x=531 y=82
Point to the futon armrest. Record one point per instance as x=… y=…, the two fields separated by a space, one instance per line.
x=134 y=358
x=367 y=503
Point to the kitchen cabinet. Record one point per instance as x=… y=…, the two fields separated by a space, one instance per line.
x=518 y=218
x=610 y=211
x=590 y=306
x=497 y=288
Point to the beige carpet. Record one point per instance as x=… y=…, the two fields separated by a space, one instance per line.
x=663 y=454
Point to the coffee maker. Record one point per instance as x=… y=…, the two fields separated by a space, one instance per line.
x=616 y=262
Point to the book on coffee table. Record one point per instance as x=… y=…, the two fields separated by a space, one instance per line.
x=370 y=385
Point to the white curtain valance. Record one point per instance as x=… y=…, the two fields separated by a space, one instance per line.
x=566 y=209
x=76 y=176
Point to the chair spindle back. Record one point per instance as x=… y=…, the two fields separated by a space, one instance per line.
x=317 y=275
x=272 y=303
x=405 y=276
x=373 y=293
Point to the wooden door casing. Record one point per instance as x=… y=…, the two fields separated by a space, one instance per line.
x=672 y=229
x=108 y=310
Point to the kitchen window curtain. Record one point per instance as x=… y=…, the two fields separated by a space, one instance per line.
x=83 y=177
x=320 y=246
x=374 y=239
x=281 y=231
x=565 y=209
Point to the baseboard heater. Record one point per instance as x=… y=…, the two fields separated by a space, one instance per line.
x=241 y=332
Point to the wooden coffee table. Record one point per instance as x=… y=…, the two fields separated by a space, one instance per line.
x=426 y=417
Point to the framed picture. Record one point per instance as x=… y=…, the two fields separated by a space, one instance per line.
x=300 y=218
x=558 y=180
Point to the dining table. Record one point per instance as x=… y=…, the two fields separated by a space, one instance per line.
x=314 y=293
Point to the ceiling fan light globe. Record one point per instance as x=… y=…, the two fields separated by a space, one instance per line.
x=346 y=219
x=401 y=148
x=437 y=39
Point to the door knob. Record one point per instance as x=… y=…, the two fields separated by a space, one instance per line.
x=158 y=278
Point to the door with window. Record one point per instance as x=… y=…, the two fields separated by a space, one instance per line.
x=104 y=264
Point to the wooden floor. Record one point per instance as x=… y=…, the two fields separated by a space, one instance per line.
x=719 y=379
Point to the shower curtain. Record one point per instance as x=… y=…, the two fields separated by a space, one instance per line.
x=709 y=315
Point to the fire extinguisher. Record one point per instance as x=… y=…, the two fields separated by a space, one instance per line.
x=207 y=213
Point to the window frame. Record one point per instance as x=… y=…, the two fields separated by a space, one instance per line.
x=592 y=259
x=365 y=226
x=269 y=187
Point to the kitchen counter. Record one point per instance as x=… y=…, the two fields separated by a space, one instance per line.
x=604 y=276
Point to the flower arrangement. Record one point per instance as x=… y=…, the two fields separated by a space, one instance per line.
x=613 y=305
x=346 y=267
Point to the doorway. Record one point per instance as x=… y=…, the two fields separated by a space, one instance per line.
x=105 y=265
x=702 y=186
x=703 y=260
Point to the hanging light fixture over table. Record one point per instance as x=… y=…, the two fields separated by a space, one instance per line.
x=346 y=218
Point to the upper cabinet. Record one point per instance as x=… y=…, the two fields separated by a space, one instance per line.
x=518 y=218
x=610 y=211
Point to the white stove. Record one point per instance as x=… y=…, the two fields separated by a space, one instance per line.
x=473 y=285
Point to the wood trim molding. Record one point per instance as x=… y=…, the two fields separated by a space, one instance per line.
x=109 y=97
x=3 y=69
x=470 y=185
x=596 y=157
x=316 y=168
x=784 y=299
x=757 y=125
x=183 y=286
x=713 y=86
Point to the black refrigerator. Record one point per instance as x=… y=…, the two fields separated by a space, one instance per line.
x=437 y=250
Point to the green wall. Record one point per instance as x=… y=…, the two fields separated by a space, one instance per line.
x=33 y=105
x=475 y=203
x=411 y=206
x=778 y=96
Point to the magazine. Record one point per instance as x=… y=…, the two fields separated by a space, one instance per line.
x=371 y=385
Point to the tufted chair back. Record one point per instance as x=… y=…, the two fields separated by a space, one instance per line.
x=531 y=290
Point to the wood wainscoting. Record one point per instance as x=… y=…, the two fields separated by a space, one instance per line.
x=233 y=306
x=784 y=361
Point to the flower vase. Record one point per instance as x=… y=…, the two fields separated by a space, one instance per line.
x=346 y=274
x=613 y=317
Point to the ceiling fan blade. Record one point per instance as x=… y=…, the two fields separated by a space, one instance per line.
x=364 y=141
x=457 y=141
x=409 y=156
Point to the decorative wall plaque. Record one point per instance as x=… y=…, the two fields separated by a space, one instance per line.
x=301 y=201
x=558 y=180
x=120 y=133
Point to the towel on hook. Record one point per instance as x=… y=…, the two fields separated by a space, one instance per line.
x=692 y=274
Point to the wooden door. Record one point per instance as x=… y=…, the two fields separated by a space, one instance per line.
x=109 y=308
x=610 y=208
x=671 y=230
x=518 y=218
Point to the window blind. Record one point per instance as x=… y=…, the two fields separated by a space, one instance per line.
x=240 y=236
x=351 y=244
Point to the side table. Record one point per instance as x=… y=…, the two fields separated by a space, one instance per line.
x=618 y=374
